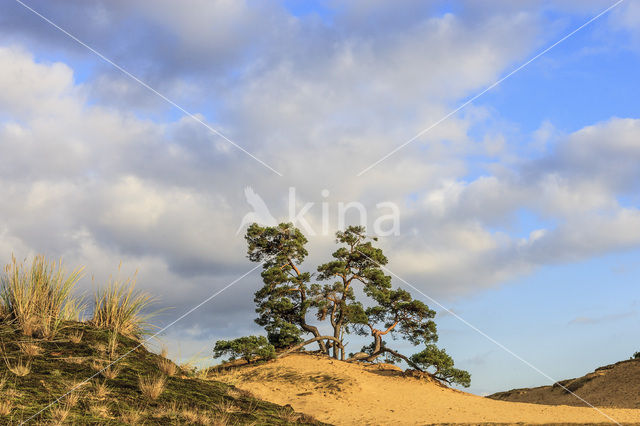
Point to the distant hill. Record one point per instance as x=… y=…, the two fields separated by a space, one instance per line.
x=616 y=385
x=34 y=372
x=358 y=393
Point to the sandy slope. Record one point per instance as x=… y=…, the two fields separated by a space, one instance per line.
x=344 y=393
x=615 y=385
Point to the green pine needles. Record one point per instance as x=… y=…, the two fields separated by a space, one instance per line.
x=349 y=294
x=248 y=348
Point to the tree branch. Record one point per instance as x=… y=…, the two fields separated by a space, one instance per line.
x=383 y=349
x=294 y=266
x=315 y=339
x=382 y=333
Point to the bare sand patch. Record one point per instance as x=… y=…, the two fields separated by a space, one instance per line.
x=344 y=393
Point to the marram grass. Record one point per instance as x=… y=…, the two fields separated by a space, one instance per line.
x=120 y=307
x=38 y=298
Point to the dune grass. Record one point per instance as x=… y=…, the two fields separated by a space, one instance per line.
x=152 y=386
x=167 y=366
x=132 y=417
x=30 y=349
x=100 y=389
x=120 y=307
x=75 y=337
x=47 y=352
x=20 y=368
x=39 y=297
x=6 y=406
x=59 y=413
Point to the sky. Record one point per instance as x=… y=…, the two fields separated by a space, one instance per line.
x=519 y=212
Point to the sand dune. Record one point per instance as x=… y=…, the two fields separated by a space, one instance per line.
x=614 y=385
x=347 y=394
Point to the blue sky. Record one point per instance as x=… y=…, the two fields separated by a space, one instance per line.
x=520 y=212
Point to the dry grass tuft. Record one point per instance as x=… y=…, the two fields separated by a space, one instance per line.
x=152 y=386
x=9 y=393
x=73 y=398
x=227 y=406
x=101 y=348
x=30 y=349
x=120 y=308
x=131 y=417
x=99 y=410
x=164 y=352
x=288 y=415
x=6 y=405
x=76 y=337
x=109 y=372
x=190 y=415
x=167 y=410
x=167 y=367
x=20 y=368
x=100 y=389
x=12 y=393
x=39 y=298
x=76 y=385
x=59 y=413
x=196 y=417
x=220 y=419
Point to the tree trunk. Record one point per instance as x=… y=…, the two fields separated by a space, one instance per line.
x=336 y=343
x=378 y=343
x=314 y=330
x=336 y=338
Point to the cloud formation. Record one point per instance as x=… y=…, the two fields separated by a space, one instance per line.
x=98 y=170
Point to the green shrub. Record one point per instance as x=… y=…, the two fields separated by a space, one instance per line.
x=636 y=355
x=248 y=348
x=438 y=359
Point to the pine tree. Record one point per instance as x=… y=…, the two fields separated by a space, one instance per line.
x=356 y=261
x=283 y=301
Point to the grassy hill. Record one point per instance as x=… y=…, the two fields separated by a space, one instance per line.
x=34 y=372
x=615 y=385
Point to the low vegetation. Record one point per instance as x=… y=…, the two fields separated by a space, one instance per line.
x=119 y=307
x=247 y=348
x=51 y=356
x=38 y=298
x=20 y=367
x=152 y=386
x=442 y=363
x=167 y=366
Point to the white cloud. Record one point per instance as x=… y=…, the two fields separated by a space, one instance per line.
x=576 y=187
x=97 y=183
x=28 y=88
